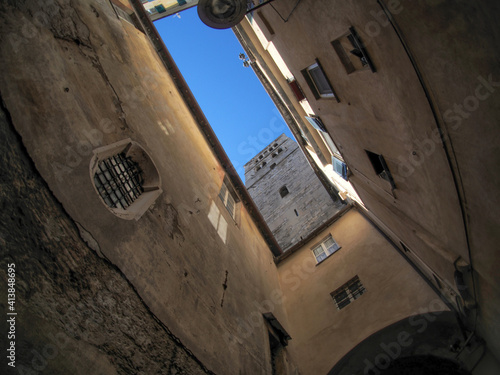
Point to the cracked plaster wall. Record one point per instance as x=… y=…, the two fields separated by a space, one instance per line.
x=75 y=77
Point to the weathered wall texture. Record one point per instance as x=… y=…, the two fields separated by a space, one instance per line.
x=431 y=109
x=394 y=291
x=75 y=77
x=76 y=312
x=307 y=204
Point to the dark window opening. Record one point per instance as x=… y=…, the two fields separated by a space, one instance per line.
x=352 y=53
x=296 y=213
x=278 y=339
x=273 y=166
x=119 y=181
x=380 y=167
x=284 y=191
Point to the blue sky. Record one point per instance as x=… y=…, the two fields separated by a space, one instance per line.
x=231 y=96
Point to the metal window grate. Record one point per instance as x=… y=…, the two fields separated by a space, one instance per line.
x=348 y=292
x=119 y=180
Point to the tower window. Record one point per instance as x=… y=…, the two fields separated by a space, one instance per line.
x=273 y=166
x=326 y=248
x=348 y=292
x=284 y=191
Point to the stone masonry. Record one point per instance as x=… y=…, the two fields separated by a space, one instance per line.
x=306 y=206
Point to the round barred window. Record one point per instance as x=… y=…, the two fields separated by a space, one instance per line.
x=125 y=178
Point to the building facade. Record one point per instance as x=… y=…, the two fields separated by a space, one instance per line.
x=158 y=9
x=135 y=247
x=287 y=192
x=403 y=105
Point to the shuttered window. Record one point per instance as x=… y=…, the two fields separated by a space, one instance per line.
x=228 y=200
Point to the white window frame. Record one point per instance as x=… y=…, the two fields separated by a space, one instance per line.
x=315 y=67
x=322 y=251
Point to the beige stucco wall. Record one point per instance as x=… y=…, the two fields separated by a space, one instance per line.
x=321 y=334
x=80 y=78
x=442 y=205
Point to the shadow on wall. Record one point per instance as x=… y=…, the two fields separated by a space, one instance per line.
x=421 y=344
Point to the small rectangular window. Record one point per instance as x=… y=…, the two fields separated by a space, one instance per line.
x=348 y=292
x=318 y=81
x=380 y=167
x=229 y=199
x=160 y=8
x=326 y=248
